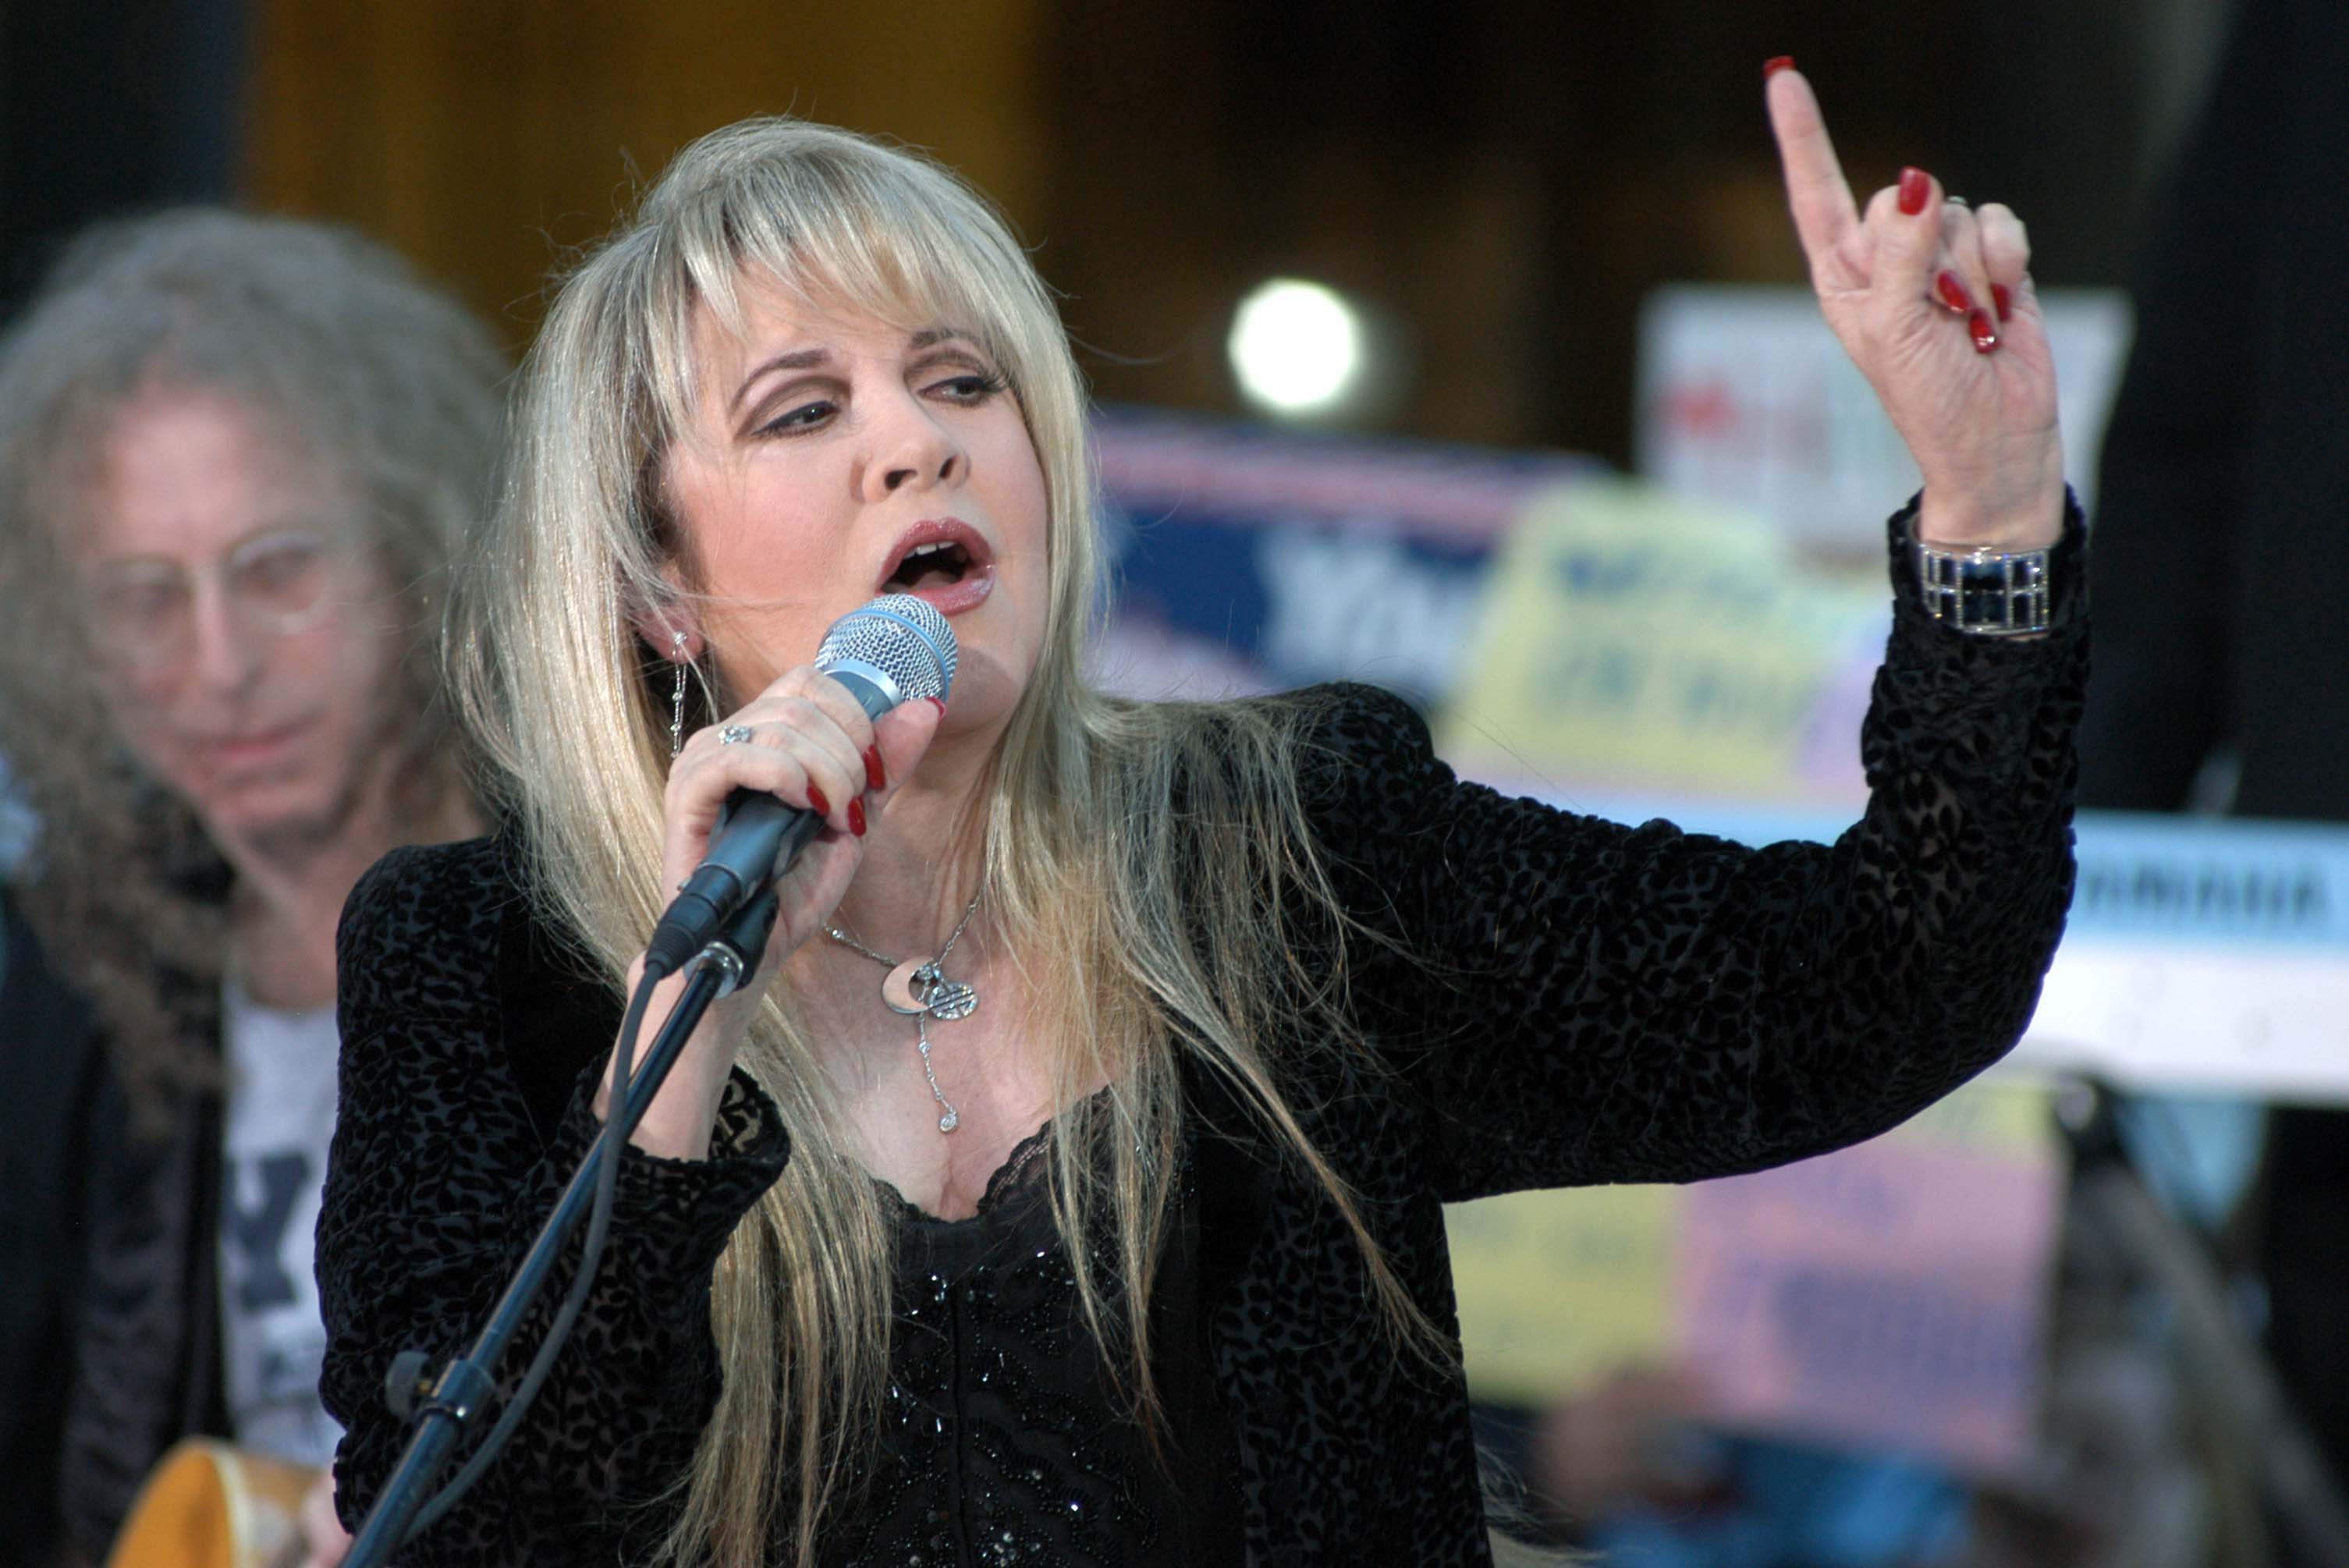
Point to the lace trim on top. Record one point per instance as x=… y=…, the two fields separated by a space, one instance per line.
x=1019 y=1179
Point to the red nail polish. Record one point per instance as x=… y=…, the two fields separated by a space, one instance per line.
x=815 y=798
x=937 y=702
x=1777 y=63
x=1915 y=185
x=856 y=818
x=1985 y=332
x=875 y=778
x=1954 y=293
x=2003 y=300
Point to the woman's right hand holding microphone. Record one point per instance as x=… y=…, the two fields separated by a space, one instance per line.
x=809 y=744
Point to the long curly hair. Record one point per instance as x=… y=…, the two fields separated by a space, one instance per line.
x=389 y=390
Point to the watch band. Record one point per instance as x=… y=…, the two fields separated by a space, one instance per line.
x=1989 y=592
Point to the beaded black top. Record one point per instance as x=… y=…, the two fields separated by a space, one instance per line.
x=1003 y=1439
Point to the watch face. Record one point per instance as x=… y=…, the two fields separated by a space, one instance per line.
x=2002 y=594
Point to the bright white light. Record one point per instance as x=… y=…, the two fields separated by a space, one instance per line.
x=1297 y=347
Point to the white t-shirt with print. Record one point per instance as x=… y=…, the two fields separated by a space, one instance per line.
x=280 y=1118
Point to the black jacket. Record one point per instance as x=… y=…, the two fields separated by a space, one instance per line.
x=111 y=1351
x=145 y=1367
x=52 y=1075
x=1581 y=1003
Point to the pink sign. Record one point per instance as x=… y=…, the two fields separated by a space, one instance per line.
x=1894 y=1293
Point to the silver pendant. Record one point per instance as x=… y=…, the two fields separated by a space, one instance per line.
x=916 y=988
x=949 y=999
x=898 y=990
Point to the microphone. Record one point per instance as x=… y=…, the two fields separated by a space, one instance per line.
x=896 y=648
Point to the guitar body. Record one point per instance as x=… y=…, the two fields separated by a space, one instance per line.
x=210 y=1505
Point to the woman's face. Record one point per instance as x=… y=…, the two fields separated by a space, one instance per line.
x=248 y=652
x=842 y=458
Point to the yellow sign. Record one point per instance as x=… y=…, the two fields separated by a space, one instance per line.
x=1557 y=1289
x=1631 y=637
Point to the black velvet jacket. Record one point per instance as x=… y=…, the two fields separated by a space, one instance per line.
x=1577 y=1002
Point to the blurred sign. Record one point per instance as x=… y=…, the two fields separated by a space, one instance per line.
x=2203 y=957
x=1653 y=640
x=1251 y=560
x=1557 y=1289
x=1891 y=1294
x=1745 y=399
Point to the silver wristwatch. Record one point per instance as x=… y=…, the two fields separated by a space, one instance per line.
x=1990 y=593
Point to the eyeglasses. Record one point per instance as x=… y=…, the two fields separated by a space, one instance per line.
x=276 y=584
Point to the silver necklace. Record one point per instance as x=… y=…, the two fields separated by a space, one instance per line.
x=917 y=988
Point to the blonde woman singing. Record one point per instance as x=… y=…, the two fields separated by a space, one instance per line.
x=1139 y=1258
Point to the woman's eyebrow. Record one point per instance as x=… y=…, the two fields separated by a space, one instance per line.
x=797 y=359
x=806 y=358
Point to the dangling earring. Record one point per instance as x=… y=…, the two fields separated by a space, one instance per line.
x=677 y=696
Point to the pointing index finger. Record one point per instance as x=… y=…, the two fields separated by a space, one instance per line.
x=1816 y=188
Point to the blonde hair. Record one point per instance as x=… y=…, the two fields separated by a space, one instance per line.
x=1168 y=934
x=374 y=381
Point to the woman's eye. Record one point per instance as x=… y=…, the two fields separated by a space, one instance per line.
x=804 y=417
x=975 y=388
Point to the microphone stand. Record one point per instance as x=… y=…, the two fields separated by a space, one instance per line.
x=442 y=1407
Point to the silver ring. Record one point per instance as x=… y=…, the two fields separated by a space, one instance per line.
x=736 y=734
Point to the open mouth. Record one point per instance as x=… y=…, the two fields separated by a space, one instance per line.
x=941 y=563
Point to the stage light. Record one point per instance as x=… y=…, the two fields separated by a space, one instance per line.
x=1298 y=349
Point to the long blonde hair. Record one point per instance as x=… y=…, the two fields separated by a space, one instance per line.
x=1168 y=934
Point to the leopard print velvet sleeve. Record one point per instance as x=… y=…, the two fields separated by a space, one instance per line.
x=1572 y=1001
x=439 y=1181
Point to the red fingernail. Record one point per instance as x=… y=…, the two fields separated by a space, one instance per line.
x=2003 y=300
x=874 y=778
x=937 y=702
x=856 y=818
x=1954 y=293
x=815 y=799
x=1915 y=185
x=1775 y=64
x=1985 y=332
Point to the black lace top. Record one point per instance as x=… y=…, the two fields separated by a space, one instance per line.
x=1002 y=1439
x=1556 y=1000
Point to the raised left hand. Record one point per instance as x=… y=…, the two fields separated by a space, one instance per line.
x=1933 y=302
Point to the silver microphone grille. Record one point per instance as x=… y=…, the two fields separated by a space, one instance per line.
x=901 y=637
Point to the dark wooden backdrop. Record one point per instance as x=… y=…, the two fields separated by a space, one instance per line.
x=1505 y=179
